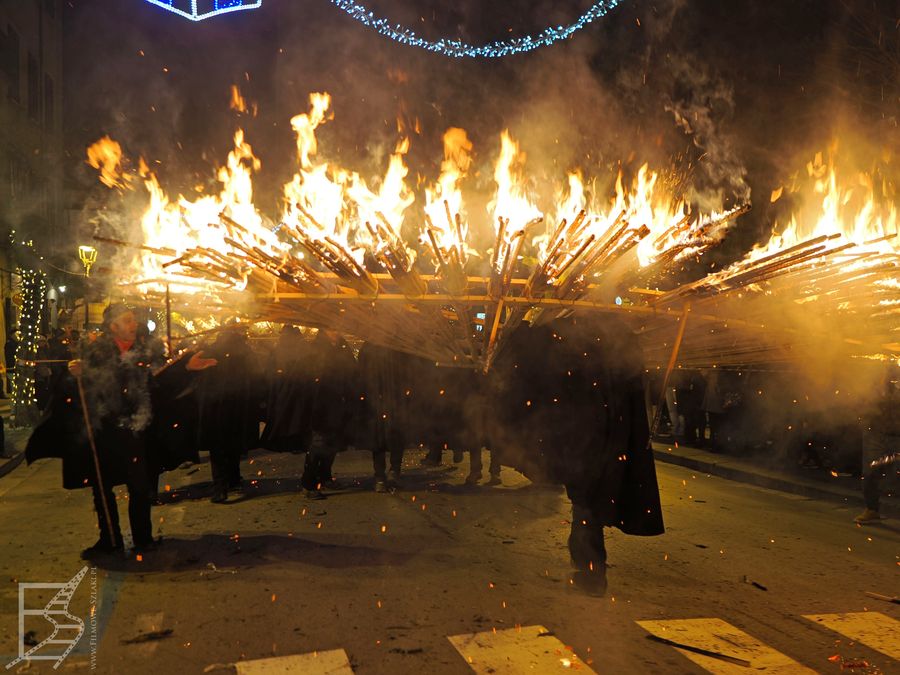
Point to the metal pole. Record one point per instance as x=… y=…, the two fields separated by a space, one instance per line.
x=90 y=435
x=669 y=368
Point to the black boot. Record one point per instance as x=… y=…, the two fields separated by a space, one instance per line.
x=219 y=493
x=103 y=547
x=588 y=551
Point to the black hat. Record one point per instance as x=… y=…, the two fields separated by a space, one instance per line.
x=113 y=312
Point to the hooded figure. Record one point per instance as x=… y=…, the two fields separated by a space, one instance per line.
x=571 y=410
x=120 y=371
x=387 y=394
x=334 y=371
x=290 y=387
x=230 y=397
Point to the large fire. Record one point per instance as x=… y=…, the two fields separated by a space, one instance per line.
x=338 y=237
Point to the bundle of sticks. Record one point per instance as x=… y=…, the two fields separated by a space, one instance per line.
x=764 y=309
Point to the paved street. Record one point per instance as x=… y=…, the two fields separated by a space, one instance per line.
x=440 y=578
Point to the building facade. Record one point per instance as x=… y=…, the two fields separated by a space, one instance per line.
x=31 y=134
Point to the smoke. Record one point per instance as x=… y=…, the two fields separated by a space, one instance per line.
x=700 y=112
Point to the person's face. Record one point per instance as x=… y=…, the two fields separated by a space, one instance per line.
x=124 y=328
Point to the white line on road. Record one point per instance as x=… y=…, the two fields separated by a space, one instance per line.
x=873 y=629
x=517 y=650
x=333 y=662
x=721 y=637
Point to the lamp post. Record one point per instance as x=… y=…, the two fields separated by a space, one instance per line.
x=88 y=256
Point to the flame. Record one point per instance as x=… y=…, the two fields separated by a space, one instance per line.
x=511 y=203
x=237 y=102
x=315 y=197
x=185 y=225
x=328 y=201
x=328 y=205
x=444 y=200
x=511 y=200
x=659 y=221
x=388 y=205
x=105 y=155
x=857 y=208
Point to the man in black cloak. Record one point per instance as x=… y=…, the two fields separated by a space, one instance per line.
x=475 y=410
x=335 y=375
x=571 y=410
x=290 y=387
x=119 y=372
x=230 y=397
x=388 y=394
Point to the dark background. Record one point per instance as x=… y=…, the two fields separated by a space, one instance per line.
x=734 y=95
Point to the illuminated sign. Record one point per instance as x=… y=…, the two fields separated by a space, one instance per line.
x=197 y=10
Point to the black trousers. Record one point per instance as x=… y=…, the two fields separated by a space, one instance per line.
x=388 y=440
x=226 y=466
x=123 y=460
x=476 y=466
x=586 y=544
x=320 y=458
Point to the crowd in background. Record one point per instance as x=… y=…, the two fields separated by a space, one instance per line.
x=776 y=417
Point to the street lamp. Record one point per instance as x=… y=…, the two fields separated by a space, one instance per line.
x=88 y=256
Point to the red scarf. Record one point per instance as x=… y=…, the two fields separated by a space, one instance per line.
x=123 y=345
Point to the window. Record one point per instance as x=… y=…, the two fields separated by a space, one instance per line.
x=34 y=88
x=21 y=179
x=10 y=62
x=49 y=109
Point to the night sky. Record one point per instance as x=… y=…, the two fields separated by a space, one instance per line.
x=757 y=87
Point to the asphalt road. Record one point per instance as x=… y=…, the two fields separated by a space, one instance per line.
x=440 y=578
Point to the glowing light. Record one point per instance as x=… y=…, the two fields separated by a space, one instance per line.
x=404 y=35
x=458 y=49
x=34 y=288
x=210 y=8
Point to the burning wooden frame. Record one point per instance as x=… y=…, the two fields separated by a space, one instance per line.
x=769 y=310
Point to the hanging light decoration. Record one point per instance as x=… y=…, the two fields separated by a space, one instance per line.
x=205 y=9
x=459 y=49
x=34 y=289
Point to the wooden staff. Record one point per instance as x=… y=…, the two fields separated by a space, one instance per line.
x=142 y=247
x=168 y=319
x=92 y=443
x=657 y=416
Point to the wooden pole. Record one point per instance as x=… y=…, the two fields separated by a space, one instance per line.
x=168 y=321
x=669 y=367
x=92 y=443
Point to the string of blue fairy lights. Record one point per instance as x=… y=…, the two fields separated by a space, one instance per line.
x=459 y=49
x=404 y=35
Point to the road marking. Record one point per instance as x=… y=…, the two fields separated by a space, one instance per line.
x=873 y=629
x=334 y=662
x=720 y=636
x=516 y=650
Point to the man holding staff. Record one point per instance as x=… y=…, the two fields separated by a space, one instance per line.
x=99 y=426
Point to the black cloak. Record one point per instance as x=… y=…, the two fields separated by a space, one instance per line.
x=571 y=410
